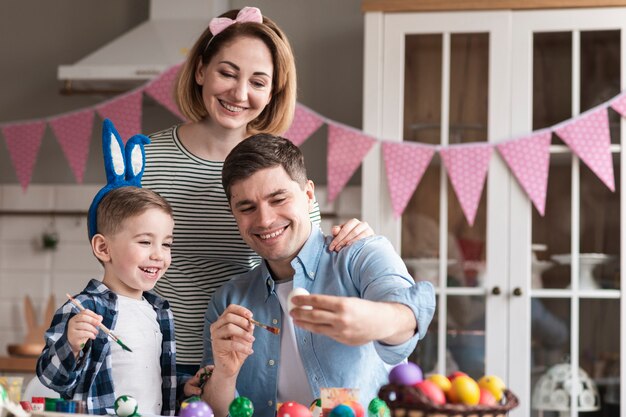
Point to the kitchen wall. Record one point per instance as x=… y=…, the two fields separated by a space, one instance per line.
x=36 y=37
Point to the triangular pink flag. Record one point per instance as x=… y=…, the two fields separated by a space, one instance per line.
x=305 y=123
x=405 y=164
x=346 y=149
x=162 y=90
x=467 y=167
x=73 y=132
x=619 y=104
x=588 y=136
x=125 y=113
x=529 y=159
x=23 y=141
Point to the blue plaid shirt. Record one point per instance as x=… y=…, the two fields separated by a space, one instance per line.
x=89 y=376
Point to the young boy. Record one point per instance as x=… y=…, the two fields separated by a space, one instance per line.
x=132 y=241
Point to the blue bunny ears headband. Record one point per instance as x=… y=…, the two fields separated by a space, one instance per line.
x=124 y=167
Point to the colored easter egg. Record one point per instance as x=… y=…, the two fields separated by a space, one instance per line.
x=4 y=396
x=356 y=406
x=432 y=391
x=293 y=409
x=378 y=408
x=464 y=390
x=196 y=409
x=126 y=406
x=342 y=410
x=316 y=408
x=494 y=385
x=241 y=407
x=441 y=381
x=405 y=374
x=293 y=293
x=189 y=400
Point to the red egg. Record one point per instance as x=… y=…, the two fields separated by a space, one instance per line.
x=486 y=397
x=455 y=374
x=432 y=391
x=293 y=409
x=356 y=406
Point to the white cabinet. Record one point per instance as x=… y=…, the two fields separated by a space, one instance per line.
x=517 y=292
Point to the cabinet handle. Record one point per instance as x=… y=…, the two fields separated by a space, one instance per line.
x=496 y=291
x=517 y=291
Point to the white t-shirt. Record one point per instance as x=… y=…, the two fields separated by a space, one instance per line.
x=293 y=384
x=138 y=373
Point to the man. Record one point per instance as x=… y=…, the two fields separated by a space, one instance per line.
x=365 y=313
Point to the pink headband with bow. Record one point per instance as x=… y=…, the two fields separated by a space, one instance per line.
x=247 y=14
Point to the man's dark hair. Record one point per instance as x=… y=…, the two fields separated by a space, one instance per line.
x=259 y=152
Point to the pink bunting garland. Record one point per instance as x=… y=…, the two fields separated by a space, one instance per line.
x=589 y=137
x=467 y=168
x=73 y=133
x=405 y=164
x=346 y=149
x=125 y=113
x=619 y=104
x=23 y=141
x=305 y=123
x=162 y=90
x=529 y=160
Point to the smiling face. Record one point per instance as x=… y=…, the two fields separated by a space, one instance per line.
x=138 y=254
x=272 y=213
x=237 y=83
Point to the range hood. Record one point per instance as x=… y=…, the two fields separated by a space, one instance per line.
x=148 y=49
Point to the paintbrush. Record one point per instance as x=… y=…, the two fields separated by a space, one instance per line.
x=101 y=326
x=270 y=329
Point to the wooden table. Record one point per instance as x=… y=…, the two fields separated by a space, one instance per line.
x=22 y=364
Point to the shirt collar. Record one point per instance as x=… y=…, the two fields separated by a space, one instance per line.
x=308 y=257
x=97 y=288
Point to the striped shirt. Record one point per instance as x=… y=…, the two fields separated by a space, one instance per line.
x=208 y=249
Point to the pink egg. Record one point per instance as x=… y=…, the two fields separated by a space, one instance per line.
x=405 y=374
x=432 y=391
x=293 y=409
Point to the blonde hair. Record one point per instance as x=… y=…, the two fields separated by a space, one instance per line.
x=122 y=203
x=278 y=114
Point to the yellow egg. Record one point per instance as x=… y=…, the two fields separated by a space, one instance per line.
x=441 y=381
x=465 y=390
x=494 y=385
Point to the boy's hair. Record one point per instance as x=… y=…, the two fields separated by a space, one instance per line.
x=278 y=114
x=259 y=152
x=122 y=203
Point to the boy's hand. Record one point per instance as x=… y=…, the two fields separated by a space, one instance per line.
x=194 y=385
x=82 y=327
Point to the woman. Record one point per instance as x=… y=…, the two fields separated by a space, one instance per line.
x=239 y=79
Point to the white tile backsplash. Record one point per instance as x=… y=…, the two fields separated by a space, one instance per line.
x=37 y=198
x=26 y=268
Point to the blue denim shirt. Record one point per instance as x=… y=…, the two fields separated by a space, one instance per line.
x=370 y=269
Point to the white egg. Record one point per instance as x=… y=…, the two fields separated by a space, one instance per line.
x=294 y=292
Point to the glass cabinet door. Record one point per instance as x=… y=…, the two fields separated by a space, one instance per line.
x=440 y=86
x=534 y=299
x=565 y=63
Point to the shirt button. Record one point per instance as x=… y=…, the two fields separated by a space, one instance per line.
x=311 y=274
x=270 y=403
x=274 y=321
x=304 y=340
x=270 y=362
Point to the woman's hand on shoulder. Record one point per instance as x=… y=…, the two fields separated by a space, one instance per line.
x=348 y=233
